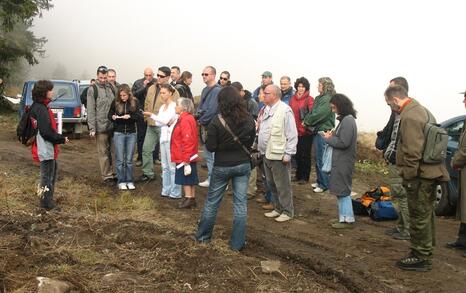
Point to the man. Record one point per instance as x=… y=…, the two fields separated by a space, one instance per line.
x=111 y=79
x=419 y=179
x=174 y=75
x=458 y=162
x=99 y=125
x=139 y=90
x=386 y=141
x=224 y=79
x=277 y=147
x=84 y=93
x=152 y=104
x=266 y=80
x=206 y=111
x=287 y=89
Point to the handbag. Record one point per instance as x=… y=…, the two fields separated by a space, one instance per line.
x=254 y=156
x=327 y=159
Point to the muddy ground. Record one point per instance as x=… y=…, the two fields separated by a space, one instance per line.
x=146 y=242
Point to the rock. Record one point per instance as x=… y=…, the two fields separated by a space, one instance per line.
x=270 y=266
x=116 y=278
x=47 y=285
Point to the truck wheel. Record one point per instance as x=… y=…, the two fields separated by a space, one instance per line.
x=443 y=206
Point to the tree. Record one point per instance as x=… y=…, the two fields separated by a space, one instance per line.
x=17 y=41
x=60 y=72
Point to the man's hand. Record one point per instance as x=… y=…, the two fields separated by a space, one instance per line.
x=114 y=117
x=286 y=159
x=67 y=140
x=145 y=82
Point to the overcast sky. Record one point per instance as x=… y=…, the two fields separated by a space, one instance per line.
x=361 y=45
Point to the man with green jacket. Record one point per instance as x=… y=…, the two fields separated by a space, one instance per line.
x=321 y=118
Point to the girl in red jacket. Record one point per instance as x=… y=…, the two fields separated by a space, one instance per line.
x=183 y=148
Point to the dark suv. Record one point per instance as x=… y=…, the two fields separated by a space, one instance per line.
x=447 y=193
x=65 y=100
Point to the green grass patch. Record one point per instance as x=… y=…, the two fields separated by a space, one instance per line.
x=367 y=166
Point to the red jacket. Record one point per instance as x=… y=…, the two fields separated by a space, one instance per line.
x=184 y=141
x=297 y=103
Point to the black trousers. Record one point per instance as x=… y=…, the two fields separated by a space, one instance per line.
x=141 y=127
x=48 y=175
x=303 y=157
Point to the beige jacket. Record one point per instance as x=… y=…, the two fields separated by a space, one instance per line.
x=153 y=103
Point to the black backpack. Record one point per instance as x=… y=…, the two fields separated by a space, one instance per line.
x=96 y=94
x=25 y=131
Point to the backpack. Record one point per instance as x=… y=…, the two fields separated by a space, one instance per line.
x=383 y=211
x=25 y=131
x=362 y=205
x=436 y=141
x=96 y=94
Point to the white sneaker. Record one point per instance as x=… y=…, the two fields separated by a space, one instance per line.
x=318 y=190
x=130 y=186
x=314 y=185
x=272 y=214
x=353 y=193
x=204 y=183
x=122 y=186
x=283 y=218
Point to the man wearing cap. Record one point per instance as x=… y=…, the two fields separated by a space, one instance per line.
x=100 y=127
x=152 y=104
x=458 y=162
x=266 y=80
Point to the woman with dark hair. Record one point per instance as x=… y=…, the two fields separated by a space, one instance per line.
x=45 y=147
x=228 y=134
x=182 y=85
x=301 y=103
x=343 y=141
x=183 y=150
x=124 y=113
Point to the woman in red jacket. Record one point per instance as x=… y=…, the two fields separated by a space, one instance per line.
x=183 y=148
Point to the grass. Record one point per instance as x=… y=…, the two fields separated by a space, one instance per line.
x=370 y=167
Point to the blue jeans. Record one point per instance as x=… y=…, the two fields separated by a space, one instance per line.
x=220 y=176
x=209 y=159
x=322 y=177
x=345 y=209
x=124 y=151
x=169 y=188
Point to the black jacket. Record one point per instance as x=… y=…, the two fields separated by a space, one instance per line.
x=229 y=153
x=184 y=91
x=40 y=113
x=140 y=91
x=385 y=136
x=125 y=125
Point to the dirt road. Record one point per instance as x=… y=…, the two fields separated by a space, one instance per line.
x=146 y=243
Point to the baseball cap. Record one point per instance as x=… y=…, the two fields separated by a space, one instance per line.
x=267 y=74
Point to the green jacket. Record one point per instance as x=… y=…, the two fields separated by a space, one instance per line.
x=321 y=117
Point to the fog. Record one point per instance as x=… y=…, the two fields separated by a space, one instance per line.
x=361 y=45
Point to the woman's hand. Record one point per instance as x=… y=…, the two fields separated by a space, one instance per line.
x=327 y=134
x=126 y=116
x=145 y=113
x=114 y=117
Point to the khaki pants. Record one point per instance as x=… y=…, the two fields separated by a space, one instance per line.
x=252 y=186
x=103 y=141
x=400 y=198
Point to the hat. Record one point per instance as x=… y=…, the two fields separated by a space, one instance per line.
x=267 y=74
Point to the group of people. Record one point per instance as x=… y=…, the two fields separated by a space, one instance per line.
x=277 y=125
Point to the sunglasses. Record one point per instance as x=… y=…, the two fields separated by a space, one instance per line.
x=205 y=74
x=223 y=78
x=102 y=69
x=161 y=76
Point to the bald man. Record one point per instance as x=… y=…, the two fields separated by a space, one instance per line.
x=139 y=90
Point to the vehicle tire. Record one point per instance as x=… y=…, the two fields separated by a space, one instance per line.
x=443 y=206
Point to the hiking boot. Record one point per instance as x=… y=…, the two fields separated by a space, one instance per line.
x=283 y=218
x=138 y=163
x=392 y=231
x=261 y=200
x=414 y=263
x=401 y=236
x=268 y=206
x=189 y=202
x=455 y=245
x=342 y=225
x=272 y=214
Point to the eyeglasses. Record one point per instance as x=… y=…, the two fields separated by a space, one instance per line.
x=148 y=74
x=223 y=78
x=205 y=74
x=102 y=69
x=161 y=76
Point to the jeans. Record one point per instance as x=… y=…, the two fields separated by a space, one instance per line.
x=278 y=180
x=322 y=177
x=345 y=209
x=48 y=175
x=150 y=142
x=124 y=151
x=209 y=159
x=169 y=188
x=239 y=175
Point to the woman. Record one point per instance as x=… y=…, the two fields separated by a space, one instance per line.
x=124 y=113
x=166 y=119
x=301 y=103
x=343 y=141
x=458 y=162
x=45 y=147
x=321 y=118
x=183 y=149
x=182 y=85
x=232 y=162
